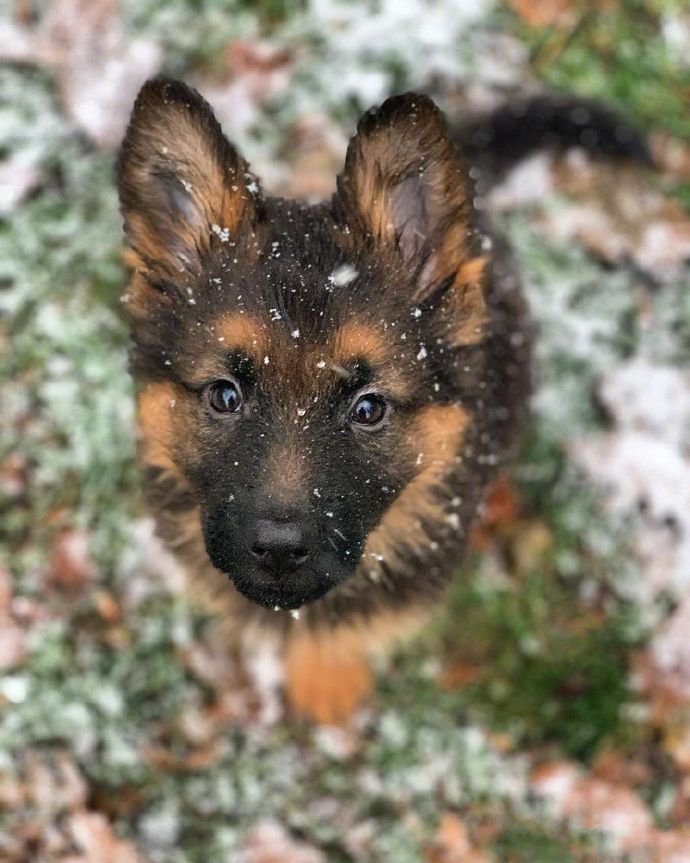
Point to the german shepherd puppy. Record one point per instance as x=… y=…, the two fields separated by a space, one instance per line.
x=323 y=391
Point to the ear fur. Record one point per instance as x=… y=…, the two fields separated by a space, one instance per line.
x=180 y=181
x=405 y=187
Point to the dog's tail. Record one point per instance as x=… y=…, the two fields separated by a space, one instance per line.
x=496 y=141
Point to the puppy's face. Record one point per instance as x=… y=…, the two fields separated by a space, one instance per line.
x=299 y=366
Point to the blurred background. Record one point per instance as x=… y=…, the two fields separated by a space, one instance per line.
x=545 y=716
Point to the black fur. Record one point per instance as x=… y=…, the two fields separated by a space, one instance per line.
x=276 y=268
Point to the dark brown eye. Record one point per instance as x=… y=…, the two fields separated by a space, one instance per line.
x=224 y=397
x=369 y=410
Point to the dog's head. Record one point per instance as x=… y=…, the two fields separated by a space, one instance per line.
x=302 y=369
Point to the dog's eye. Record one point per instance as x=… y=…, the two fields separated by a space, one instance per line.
x=224 y=397
x=369 y=410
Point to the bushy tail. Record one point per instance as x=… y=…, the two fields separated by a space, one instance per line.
x=496 y=141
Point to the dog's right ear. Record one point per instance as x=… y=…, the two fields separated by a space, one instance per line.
x=182 y=185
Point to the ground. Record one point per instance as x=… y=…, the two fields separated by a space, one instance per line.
x=545 y=715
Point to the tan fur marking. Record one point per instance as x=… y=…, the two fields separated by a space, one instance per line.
x=437 y=437
x=327 y=677
x=373 y=196
x=468 y=315
x=358 y=340
x=471 y=271
x=328 y=673
x=242 y=333
x=155 y=424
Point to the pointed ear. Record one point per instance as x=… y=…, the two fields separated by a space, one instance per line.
x=182 y=185
x=406 y=188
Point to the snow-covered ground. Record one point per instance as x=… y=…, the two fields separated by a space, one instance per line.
x=126 y=733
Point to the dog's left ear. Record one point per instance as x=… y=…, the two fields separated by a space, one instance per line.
x=406 y=189
x=182 y=184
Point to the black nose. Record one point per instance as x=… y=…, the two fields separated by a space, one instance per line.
x=279 y=547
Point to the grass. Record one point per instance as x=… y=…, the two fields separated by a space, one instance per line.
x=618 y=54
x=528 y=842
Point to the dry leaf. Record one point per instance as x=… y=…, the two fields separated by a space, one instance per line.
x=269 y=842
x=499 y=511
x=672 y=155
x=592 y=804
x=12 y=643
x=316 y=151
x=459 y=675
x=546 y=13
x=94 y=836
x=71 y=567
x=664 y=846
x=452 y=843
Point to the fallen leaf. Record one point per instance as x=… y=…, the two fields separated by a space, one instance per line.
x=665 y=846
x=458 y=675
x=13 y=471
x=53 y=783
x=592 y=804
x=680 y=810
x=12 y=643
x=94 y=835
x=71 y=566
x=546 y=13
x=107 y=606
x=499 y=511
x=269 y=842
x=622 y=769
x=671 y=155
x=452 y=843
x=316 y=149
x=6 y=590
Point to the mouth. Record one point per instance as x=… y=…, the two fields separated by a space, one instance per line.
x=277 y=597
x=289 y=591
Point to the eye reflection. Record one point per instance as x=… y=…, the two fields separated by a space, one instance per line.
x=224 y=397
x=369 y=410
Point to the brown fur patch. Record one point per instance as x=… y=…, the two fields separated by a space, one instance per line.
x=326 y=677
x=465 y=304
x=327 y=672
x=243 y=333
x=156 y=430
x=355 y=340
x=471 y=271
x=437 y=437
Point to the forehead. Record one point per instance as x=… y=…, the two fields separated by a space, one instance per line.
x=353 y=353
x=300 y=267
x=300 y=305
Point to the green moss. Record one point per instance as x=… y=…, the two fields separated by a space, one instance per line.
x=682 y=192
x=547 y=676
x=529 y=842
